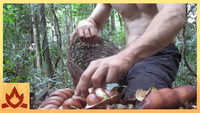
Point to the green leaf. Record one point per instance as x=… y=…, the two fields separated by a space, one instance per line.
x=14 y=80
x=105 y=41
x=26 y=68
x=10 y=13
x=18 y=56
x=5 y=19
x=41 y=51
x=5 y=56
x=13 y=9
x=36 y=77
x=9 y=68
x=32 y=56
x=9 y=6
x=59 y=83
x=4 y=79
x=11 y=21
x=5 y=11
x=9 y=62
x=24 y=76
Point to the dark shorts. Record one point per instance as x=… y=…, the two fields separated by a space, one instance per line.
x=158 y=70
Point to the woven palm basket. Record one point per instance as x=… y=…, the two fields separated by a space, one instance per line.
x=81 y=54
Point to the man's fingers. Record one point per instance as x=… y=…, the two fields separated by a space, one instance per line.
x=83 y=39
x=98 y=77
x=85 y=78
x=94 y=34
x=112 y=72
x=81 y=34
x=87 y=35
x=77 y=92
x=81 y=92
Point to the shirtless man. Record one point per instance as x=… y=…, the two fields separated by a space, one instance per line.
x=150 y=58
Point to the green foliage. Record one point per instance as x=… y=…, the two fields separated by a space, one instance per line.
x=19 y=60
x=39 y=80
x=184 y=76
x=8 y=14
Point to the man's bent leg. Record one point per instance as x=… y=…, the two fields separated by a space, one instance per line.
x=158 y=71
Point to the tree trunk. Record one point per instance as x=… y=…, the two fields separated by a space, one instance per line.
x=31 y=42
x=113 y=20
x=17 y=37
x=68 y=29
x=45 y=45
x=52 y=32
x=67 y=25
x=184 y=52
x=71 y=20
x=36 y=39
x=58 y=35
x=120 y=21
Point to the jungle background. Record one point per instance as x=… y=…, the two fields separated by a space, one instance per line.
x=36 y=42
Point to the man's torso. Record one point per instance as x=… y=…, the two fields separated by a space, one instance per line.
x=137 y=17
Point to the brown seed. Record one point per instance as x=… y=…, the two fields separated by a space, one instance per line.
x=81 y=99
x=50 y=101
x=187 y=93
x=58 y=93
x=68 y=92
x=71 y=103
x=50 y=106
x=59 y=99
x=92 y=99
x=162 y=99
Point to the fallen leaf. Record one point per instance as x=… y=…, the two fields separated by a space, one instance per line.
x=153 y=89
x=141 y=94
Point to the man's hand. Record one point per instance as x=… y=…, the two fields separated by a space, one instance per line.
x=101 y=71
x=86 y=30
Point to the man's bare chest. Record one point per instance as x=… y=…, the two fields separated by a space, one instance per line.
x=130 y=10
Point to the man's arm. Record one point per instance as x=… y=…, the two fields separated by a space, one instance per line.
x=100 y=14
x=159 y=34
x=88 y=29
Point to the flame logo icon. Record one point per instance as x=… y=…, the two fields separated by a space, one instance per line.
x=20 y=98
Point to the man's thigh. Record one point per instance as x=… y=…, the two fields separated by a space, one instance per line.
x=154 y=71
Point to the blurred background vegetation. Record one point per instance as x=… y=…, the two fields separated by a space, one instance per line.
x=36 y=40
